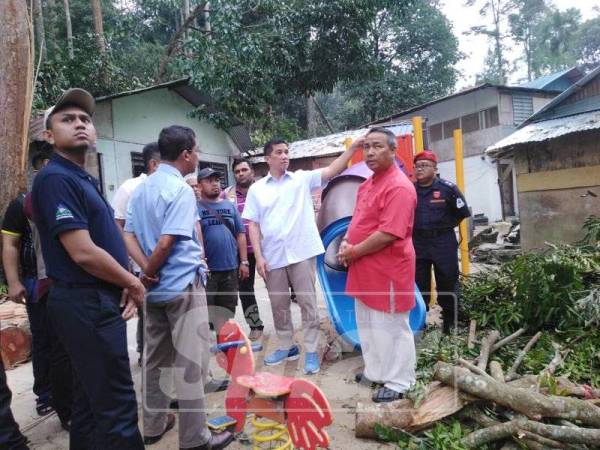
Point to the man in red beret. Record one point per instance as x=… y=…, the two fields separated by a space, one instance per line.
x=440 y=208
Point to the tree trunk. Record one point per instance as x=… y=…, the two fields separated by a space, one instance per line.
x=531 y=404
x=38 y=26
x=98 y=26
x=175 y=40
x=51 y=27
x=16 y=83
x=311 y=117
x=69 y=28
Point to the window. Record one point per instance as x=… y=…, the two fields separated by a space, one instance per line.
x=490 y=117
x=450 y=126
x=137 y=163
x=435 y=132
x=221 y=168
x=470 y=122
x=522 y=108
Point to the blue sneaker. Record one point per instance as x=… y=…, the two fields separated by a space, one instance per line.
x=311 y=363
x=278 y=356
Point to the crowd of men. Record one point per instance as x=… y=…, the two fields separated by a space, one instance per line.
x=180 y=252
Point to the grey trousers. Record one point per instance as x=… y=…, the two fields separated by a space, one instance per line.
x=177 y=353
x=301 y=276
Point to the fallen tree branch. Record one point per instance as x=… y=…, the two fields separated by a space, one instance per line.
x=556 y=362
x=496 y=371
x=473 y=368
x=531 y=404
x=508 y=339
x=563 y=433
x=486 y=349
x=563 y=385
x=491 y=434
x=472 y=329
x=511 y=375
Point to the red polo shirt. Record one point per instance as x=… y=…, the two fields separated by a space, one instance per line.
x=384 y=280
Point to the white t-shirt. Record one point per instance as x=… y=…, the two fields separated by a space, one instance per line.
x=121 y=198
x=284 y=210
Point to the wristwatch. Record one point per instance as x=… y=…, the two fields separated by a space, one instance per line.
x=245 y=263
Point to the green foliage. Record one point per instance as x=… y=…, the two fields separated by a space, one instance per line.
x=538 y=289
x=445 y=435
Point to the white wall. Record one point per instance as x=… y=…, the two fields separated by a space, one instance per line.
x=481 y=185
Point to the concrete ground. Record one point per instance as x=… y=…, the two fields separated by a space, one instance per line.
x=335 y=379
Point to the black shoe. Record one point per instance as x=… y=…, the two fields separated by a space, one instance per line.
x=384 y=395
x=218 y=441
x=361 y=379
x=149 y=440
x=216 y=385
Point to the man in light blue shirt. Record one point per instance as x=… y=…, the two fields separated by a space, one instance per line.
x=160 y=233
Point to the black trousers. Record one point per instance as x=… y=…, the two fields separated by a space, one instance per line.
x=40 y=345
x=10 y=435
x=441 y=253
x=89 y=324
x=248 y=298
x=221 y=297
x=60 y=371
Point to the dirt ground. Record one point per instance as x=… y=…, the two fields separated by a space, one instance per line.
x=335 y=379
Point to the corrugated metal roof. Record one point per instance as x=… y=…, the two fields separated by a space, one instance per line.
x=547 y=129
x=332 y=144
x=545 y=111
x=543 y=82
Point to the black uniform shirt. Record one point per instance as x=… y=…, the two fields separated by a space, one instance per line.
x=439 y=206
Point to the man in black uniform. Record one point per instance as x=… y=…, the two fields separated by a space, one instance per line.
x=440 y=208
x=92 y=291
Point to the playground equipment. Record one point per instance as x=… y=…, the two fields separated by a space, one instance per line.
x=288 y=412
x=337 y=206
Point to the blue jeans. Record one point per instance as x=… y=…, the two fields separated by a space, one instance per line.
x=40 y=346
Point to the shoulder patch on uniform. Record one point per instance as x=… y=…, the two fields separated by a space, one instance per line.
x=460 y=203
x=447 y=183
x=62 y=212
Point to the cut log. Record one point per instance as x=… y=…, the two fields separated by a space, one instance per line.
x=15 y=345
x=531 y=404
x=440 y=401
x=496 y=371
x=486 y=349
x=494 y=433
x=512 y=373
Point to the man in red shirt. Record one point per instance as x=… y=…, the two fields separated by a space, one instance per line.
x=380 y=257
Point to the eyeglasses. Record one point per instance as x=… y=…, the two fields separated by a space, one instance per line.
x=423 y=165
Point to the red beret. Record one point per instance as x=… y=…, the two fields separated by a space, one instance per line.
x=426 y=154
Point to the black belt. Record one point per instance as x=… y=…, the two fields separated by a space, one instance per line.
x=423 y=233
x=96 y=285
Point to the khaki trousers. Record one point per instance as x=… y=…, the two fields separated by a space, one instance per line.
x=301 y=276
x=176 y=352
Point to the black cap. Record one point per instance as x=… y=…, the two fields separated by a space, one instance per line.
x=207 y=172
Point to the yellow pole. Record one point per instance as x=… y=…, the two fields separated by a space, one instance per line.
x=417 y=123
x=347 y=144
x=460 y=182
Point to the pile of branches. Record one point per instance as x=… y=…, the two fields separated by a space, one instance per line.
x=537 y=387
x=534 y=411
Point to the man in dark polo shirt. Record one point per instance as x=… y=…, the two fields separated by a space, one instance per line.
x=92 y=292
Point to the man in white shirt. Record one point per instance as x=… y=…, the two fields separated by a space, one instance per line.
x=286 y=241
x=151 y=156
